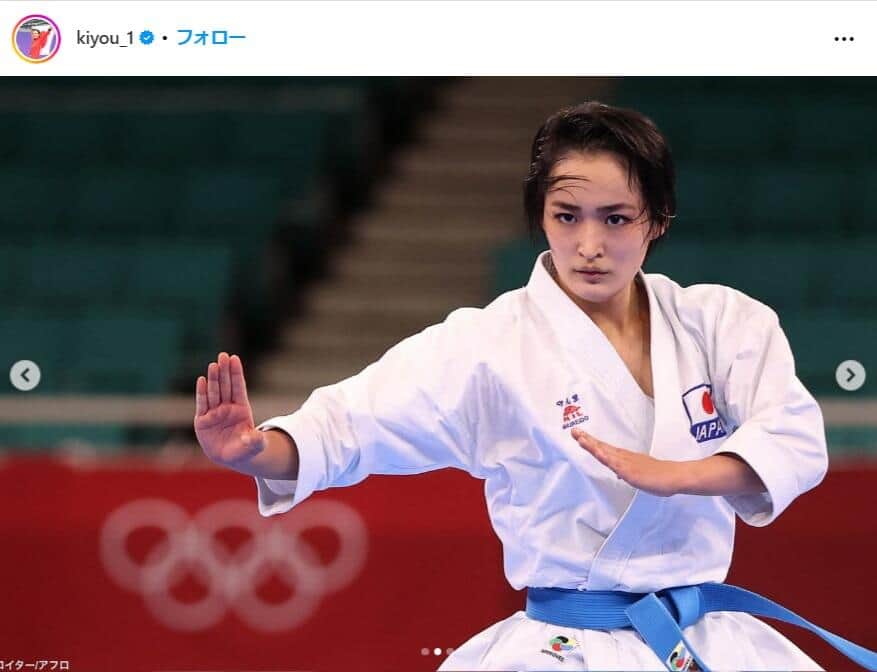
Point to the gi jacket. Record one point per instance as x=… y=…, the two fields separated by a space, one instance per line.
x=496 y=392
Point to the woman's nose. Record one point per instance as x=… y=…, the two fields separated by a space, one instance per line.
x=590 y=241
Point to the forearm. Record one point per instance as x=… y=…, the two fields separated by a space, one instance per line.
x=722 y=474
x=277 y=461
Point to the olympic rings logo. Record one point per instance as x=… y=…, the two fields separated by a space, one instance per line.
x=274 y=548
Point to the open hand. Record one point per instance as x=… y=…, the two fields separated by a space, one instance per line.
x=223 y=416
x=657 y=477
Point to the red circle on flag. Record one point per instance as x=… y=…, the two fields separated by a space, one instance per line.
x=707 y=404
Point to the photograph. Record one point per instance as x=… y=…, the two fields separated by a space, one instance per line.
x=617 y=334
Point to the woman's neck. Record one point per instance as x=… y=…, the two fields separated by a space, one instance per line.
x=621 y=314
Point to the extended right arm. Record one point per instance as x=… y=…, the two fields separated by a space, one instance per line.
x=412 y=411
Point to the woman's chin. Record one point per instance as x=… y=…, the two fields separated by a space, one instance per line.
x=592 y=295
x=591 y=290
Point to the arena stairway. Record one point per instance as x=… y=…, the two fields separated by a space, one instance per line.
x=425 y=246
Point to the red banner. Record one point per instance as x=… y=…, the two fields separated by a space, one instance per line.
x=139 y=566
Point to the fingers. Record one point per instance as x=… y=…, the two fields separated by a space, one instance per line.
x=201 y=396
x=587 y=441
x=238 y=383
x=596 y=448
x=224 y=378
x=597 y=452
x=224 y=384
x=212 y=385
x=583 y=438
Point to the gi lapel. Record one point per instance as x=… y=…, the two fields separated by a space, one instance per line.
x=668 y=442
x=588 y=348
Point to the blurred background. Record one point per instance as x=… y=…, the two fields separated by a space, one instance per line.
x=308 y=224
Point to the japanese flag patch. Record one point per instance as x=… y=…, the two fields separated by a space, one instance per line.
x=705 y=421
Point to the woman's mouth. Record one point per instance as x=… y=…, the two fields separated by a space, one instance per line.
x=592 y=275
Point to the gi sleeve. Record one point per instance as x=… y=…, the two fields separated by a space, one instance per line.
x=779 y=426
x=409 y=412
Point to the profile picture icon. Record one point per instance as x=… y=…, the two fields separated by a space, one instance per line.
x=36 y=38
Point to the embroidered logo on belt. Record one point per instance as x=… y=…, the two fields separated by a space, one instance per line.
x=705 y=421
x=558 y=644
x=680 y=660
x=572 y=412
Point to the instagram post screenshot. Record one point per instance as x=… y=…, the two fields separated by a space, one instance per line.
x=438 y=335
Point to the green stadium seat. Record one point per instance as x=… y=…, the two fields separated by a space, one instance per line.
x=51 y=436
x=108 y=355
x=190 y=274
x=241 y=209
x=45 y=341
x=14 y=267
x=125 y=202
x=842 y=129
x=34 y=201
x=841 y=275
x=720 y=129
x=708 y=128
x=234 y=202
x=124 y=355
x=822 y=340
x=794 y=200
x=76 y=272
x=171 y=138
x=513 y=263
x=775 y=273
x=294 y=139
x=189 y=281
x=12 y=139
x=683 y=260
x=768 y=155
x=69 y=137
x=869 y=203
x=851 y=441
x=94 y=355
x=791 y=91
x=711 y=200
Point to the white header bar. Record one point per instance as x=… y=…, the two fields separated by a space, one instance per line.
x=492 y=37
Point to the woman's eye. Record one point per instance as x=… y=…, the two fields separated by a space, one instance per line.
x=559 y=216
x=621 y=219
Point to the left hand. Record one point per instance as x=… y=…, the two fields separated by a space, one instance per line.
x=657 y=477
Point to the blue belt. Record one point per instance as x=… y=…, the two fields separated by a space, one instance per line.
x=660 y=616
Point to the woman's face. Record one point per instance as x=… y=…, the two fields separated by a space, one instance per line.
x=592 y=222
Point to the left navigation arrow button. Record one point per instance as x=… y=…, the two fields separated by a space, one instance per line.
x=24 y=375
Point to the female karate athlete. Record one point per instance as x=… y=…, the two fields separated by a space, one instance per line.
x=618 y=420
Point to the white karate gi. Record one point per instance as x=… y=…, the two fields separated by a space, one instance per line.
x=496 y=391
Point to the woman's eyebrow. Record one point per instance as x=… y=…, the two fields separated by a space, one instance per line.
x=605 y=208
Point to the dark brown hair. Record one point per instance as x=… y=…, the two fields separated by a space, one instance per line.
x=593 y=127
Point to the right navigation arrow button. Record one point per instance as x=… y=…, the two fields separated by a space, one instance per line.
x=850 y=375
